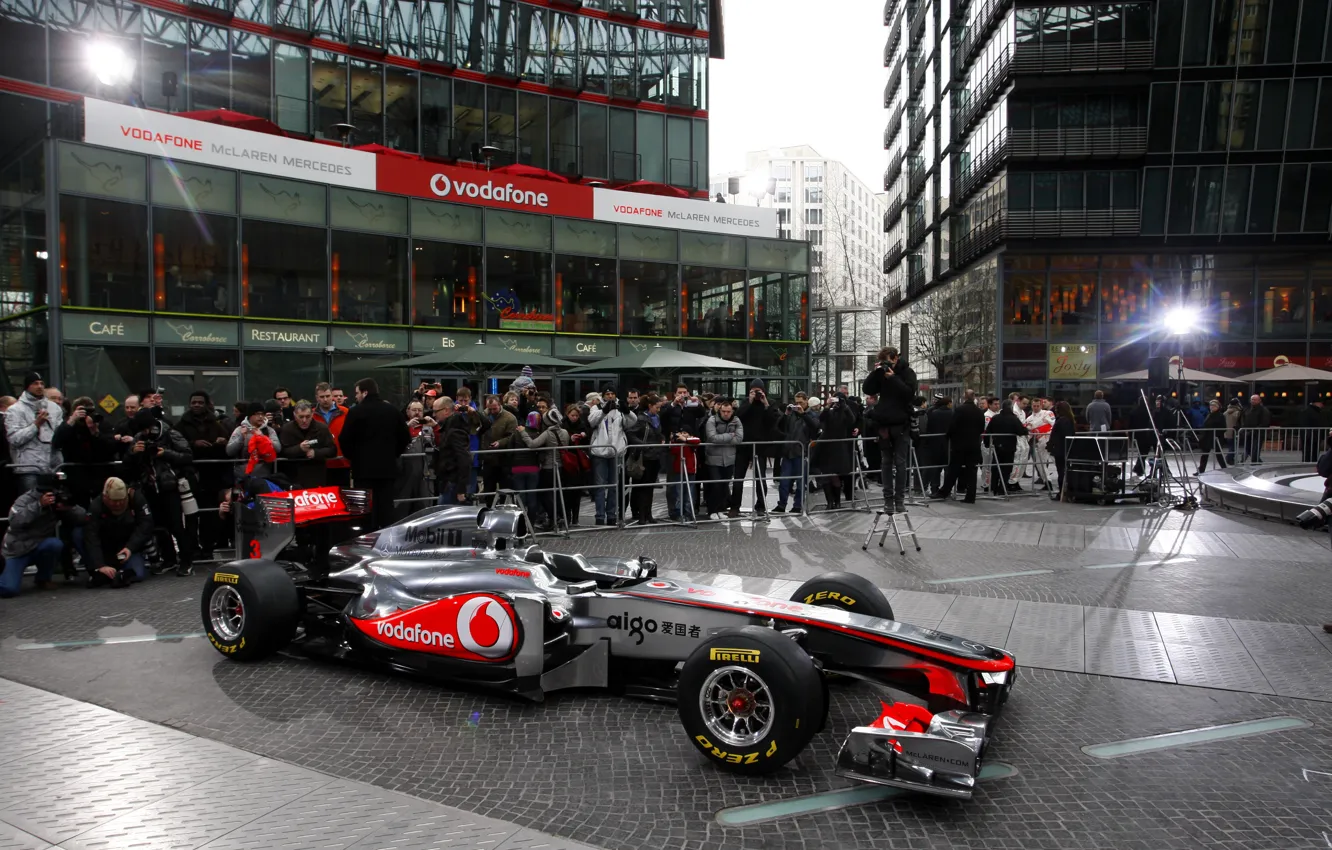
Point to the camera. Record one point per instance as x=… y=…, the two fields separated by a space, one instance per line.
x=1315 y=516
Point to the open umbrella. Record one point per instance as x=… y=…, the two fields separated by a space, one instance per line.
x=665 y=360
x=479 y=358
x=649 y=187
x=385 y=151
x=1196 y=376
x=1288 y=372
x=231 y=118
x=520 y=170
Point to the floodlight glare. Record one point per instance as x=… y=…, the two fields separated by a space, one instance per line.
x=1181 y=320
x=109 y=64
x=754 y=184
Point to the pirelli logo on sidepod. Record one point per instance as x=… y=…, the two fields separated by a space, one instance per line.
x=740 y=656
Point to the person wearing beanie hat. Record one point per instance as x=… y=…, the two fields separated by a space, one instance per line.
x=527 y=468
x=30 y=425
x=158 y=463
x=609 y=440
x=527 y=372
x=120 y=525
x=545 y=446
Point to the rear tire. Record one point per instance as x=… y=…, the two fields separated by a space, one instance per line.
x=750 y=699
x=846 y=591
x=250 y=609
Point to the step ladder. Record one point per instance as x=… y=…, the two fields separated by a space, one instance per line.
x=890 y=524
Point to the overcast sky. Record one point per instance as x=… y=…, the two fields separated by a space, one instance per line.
x=801 y=72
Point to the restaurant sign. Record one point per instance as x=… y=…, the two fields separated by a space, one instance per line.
x=1072 y=362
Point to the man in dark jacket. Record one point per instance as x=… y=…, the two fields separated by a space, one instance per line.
x=1003 y=434
x=757 y=417
x=453 y=457
x=934 y=441
x=373 y=438
x=120 y=525
x=894 y=382
x=207 y=437
x=155 y=463
x=964 y=448
x=1211 y=437
x=307 y=447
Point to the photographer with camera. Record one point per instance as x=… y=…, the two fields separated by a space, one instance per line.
x=119 y=527
x=894 y=384
x=82 y=443
x=159 y=465
x=607 y=424
x=759 y=419
x=30 y=425
x=307 y=446
x=242 y=442
x=32 y=538
x=207 y=437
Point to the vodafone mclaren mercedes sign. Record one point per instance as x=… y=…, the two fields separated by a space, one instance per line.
x=144 y=131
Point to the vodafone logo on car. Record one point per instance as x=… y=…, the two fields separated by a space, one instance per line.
x=317 y=503
x=442 y=186
x=473 y=626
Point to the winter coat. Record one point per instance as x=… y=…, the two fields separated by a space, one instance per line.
x=1325 y=470
x=303 y=471
x=453 y=457
x=1257 y=416
x=497 y=429
x=547 y=440
x=29 y=524
x=676 y=418
x=934 y=439
x=800 y=427
x=1212 y=428
x=154 y=472
x=29 y=444
x=207 y=427
x=90 y=455
x=1064 y=427
x=1004 y=431
x=1233 y=417
x=1099 y=416
x=896 y=392
x=759 y=419
x=239 y=444
x=836 y=423
x=107 y=533
x=607 y=425
x=373 y=438
x=1140 y=422
x=722 y=437
x=965 y=432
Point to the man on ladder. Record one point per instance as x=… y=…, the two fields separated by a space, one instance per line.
x=893 y=382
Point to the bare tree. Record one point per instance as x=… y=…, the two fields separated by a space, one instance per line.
x=845 y=282
x=948 y=334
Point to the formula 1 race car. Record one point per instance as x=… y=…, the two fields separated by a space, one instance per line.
x=461 y=595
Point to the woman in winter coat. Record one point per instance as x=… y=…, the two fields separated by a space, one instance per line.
x=654 y=454
x=527 y=468
x=552 y=436
x=722 y=434
x=836 y=422
x=1064 y=427
x=575 y=464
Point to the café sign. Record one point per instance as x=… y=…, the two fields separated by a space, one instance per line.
x=584 y=346
x=1072 y=362
x=104 y=328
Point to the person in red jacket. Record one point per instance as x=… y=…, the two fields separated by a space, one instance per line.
x=333 y=415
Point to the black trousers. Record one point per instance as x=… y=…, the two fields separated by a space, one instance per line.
x=492 y=479
x=1220 y=453
x=640 y=501
x=1004 y=458
x=894 y=452
x=170 y=523
x=382 y=491
x=965 y=472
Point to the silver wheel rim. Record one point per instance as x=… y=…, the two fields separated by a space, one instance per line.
x=737 y=706
x=226 y=613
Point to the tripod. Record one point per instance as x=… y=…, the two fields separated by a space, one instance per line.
x=1161 y=477
x=891 y=525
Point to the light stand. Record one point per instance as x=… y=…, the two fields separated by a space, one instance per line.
x=1179 y=322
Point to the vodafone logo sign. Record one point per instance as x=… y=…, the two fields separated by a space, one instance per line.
x=442 y=187
x=472 y=626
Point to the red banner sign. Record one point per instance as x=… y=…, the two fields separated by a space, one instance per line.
x=474 y=626
x=317 y=503
x=438 y=182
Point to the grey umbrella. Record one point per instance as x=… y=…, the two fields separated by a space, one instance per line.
x=665 y=360
x=479 y=358
x=1287 y=372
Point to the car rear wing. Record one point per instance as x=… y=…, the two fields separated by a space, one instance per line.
x=268 y=524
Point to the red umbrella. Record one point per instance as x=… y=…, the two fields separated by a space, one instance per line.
x=520 y=170
x=239 y=120
x=386 y=151
x=648 y=187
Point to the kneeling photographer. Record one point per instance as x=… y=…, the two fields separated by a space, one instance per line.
x=120 y=525
x=158 y=464
x=32 y=537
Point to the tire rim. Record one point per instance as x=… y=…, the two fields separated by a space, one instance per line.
x=737 y=706
x=226 y=613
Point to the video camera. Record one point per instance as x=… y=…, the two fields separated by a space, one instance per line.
x=54 y=483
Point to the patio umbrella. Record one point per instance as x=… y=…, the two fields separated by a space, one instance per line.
x=231 y=118
x=1288 y=372
x=479 y=358
x=520 y=170
x=665 y=360
x=1196 y=376
x=385 y=151
x=649 y=187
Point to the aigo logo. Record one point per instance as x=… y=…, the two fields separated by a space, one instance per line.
x=472 y=626
x=443 y=187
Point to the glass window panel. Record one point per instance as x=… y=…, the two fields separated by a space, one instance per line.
x=96 y=171
x=1183 y=182
x=403 y=35
x=105 y=253
x=284 y=271
x=1290 y=211
x=1319 y=203
x=368 y=211
x=584 y=237
x=1197 y=27
x=367 y=102
x=164 y=49
x=181 y=184
x=767 y=307
x=1161 y=124
x=1019 y=191
x=251 y=74
x=1281 y=302
x=501 y=119
x=1024 y=305
x=1313 y=25
x=502 y=37
x=1046 y=114
x=518 y=290
x=328 y=92
x=532 y=129
x=1054 y=26
x=622 y=82
x=647 y=243
x=1044 y=190
x=435 y=44
x=1323 y=123
x=533 y=44
x=1155 y=186
x=369 y=278
x=1028 y=26
x=1235 y=207
x=563 y=50
x=679 y=67
x=1190 y=116
x=210 y=67
x=1243 y=115
x=1302 y=104
x=400 y=108
x=1072 y=305
x=468 y=32
x=585 y=295
x=1099 y=112
x=715 y=306
x=712 y=248
x=1070 y=190
x=623 y=146
x=1281 y=24
x=700 y=128
x=196 y=262
x=1207 y=212
x=1216 y=116
x=592 y=139
x=453 y=222
x=700 y=100
x=1071 y=111
x=592 y=55
x=649 y=292
x=1138 y=21
x=469 y=116
x=1169 y=27
x=1082 y=24
x=564 y=151
x=284 y=200
x=1109 y=23
x=330 y=19
x=446 y=284
x=651 y=147
x=651 y=66
x=1262 y=206
x=1124 y=304
x=291 y=83
x=1098 y=190
x=1019 y=114
x=1124 y=190
x=680 y=166
x=436 y=115
x=778 y=255
x=518 y=230
x=1273 y=116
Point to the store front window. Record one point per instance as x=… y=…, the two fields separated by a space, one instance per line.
x=1073 y=305
x=194 y=262
x=447 y=281
x=648 y=292
x=369 y=278
x=1281 y=302
x=105 y=250
x=284 y=271
x=585 y=295
x=98 y=371
x=518 y=291
x=1124 y=299
x=714 y=305
x=1024 y=298
x=766 y=306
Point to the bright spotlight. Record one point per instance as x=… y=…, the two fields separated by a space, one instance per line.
x=754 y=184
x=109 y=64
x=1181 y=320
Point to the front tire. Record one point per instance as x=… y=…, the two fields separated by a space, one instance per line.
x=845 y=591
x=250 y=609
x=750 y=699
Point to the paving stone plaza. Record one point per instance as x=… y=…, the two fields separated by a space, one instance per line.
x=124 y=729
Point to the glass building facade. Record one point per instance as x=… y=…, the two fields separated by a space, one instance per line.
x=1091 y=166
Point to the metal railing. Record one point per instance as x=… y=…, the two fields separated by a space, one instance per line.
x=893 y=128
x=893 y=171
x=976 y=33
x=891 y=215
x=1033 y=224
x=1031 y=58
x=893 y=257
x=978 y=239
x=1078 y=142
x=981 y=166
x=987 y=88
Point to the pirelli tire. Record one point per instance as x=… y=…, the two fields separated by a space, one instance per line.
x=250 y=609
x=846 y=591
x=750 y=699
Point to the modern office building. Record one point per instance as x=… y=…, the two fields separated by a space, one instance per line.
x=387 y=179
x=1060 y=177
x=819 y=200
